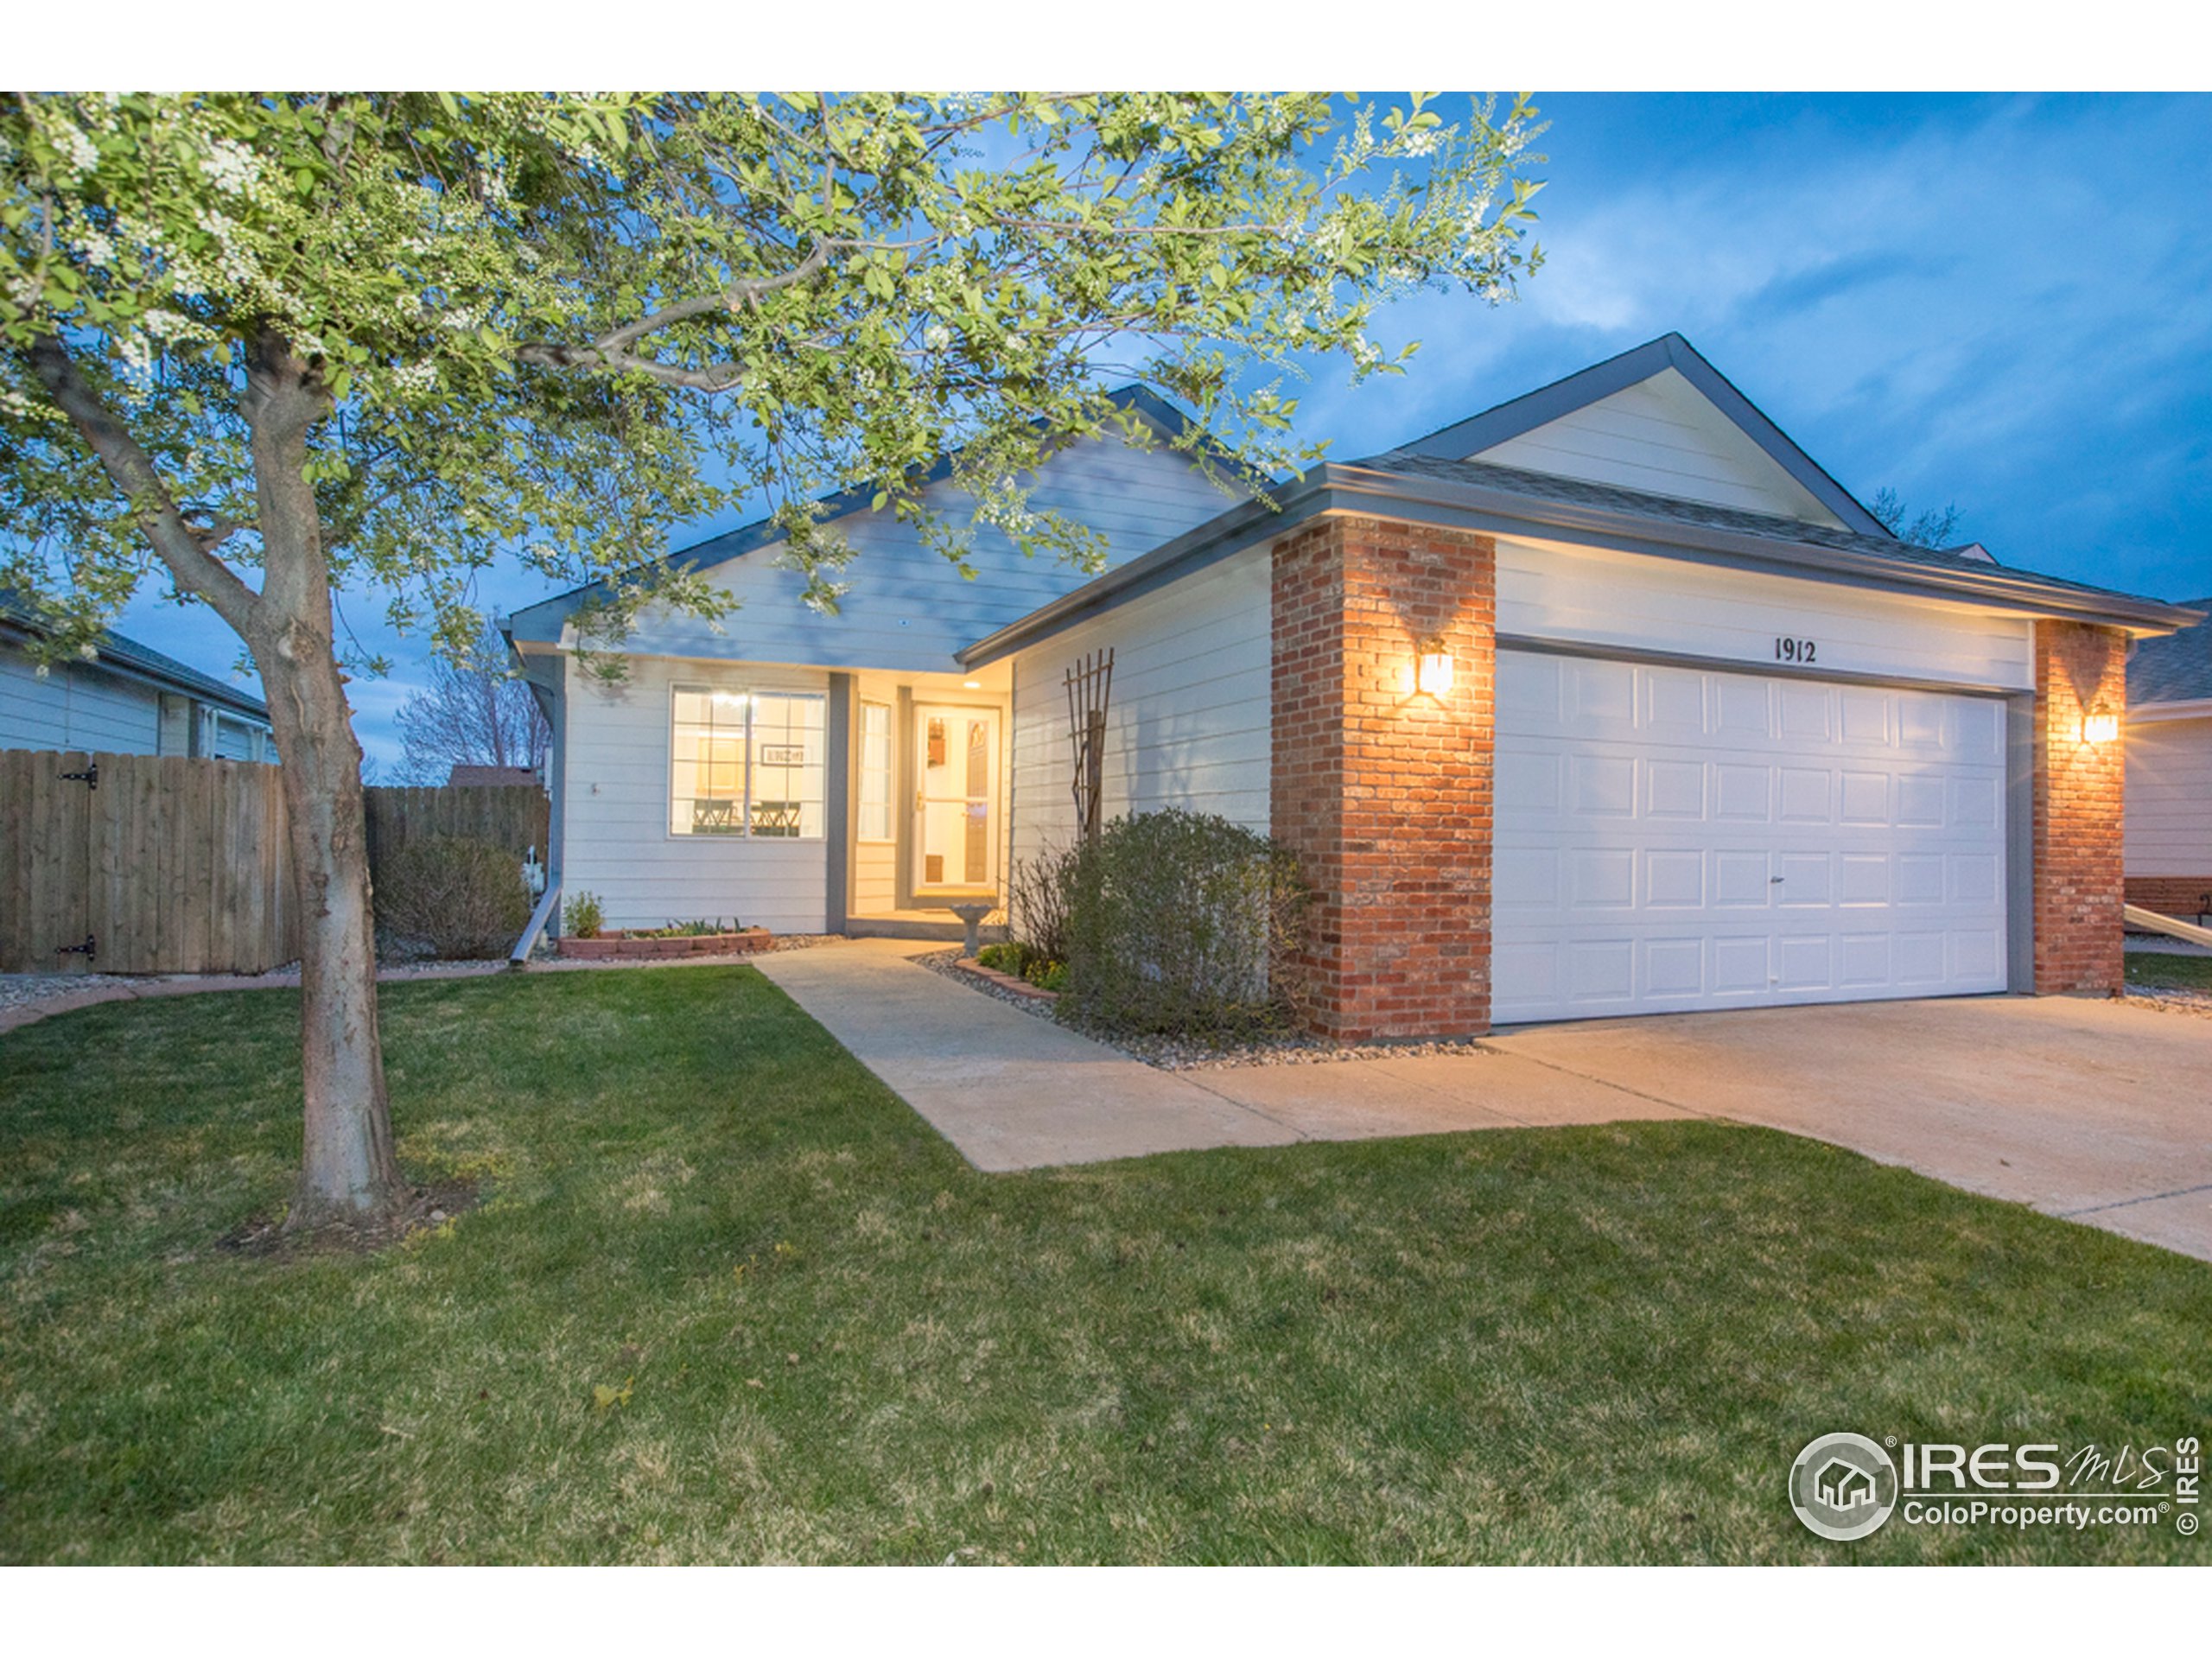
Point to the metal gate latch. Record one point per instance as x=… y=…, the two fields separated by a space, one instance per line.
x=84 y=949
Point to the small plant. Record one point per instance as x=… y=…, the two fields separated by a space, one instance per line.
x=699 y=929
x=1002 y=958
x=582 y=917
x=464 y=898
x=1047 y=975
x=1040 y=893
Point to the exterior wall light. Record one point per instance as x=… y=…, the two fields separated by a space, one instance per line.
x=2100 y=725
x=1433 y=668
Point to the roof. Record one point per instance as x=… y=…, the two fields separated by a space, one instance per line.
x=2176 y=668
x=141 y=662
x=493 y=777
x=542 y=621
x=1547 y=487
x=1478 y=495
x=1517 y=415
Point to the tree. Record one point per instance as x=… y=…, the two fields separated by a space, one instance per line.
x=1929 y=529
x=280 y=346
x=473 y=713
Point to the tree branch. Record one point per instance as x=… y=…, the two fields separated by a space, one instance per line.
x=186 y=551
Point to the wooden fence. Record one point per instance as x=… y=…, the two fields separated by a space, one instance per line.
x=158 y=864
x=142 y=864
x=518 y=819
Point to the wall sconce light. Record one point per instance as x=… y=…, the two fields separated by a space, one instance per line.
x=2100 y=725
x=1433 y=668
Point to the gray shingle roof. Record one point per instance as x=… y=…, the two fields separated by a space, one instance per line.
x=2176 y=668
x=1547 y=488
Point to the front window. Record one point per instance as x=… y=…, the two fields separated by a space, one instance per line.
x=745 y=764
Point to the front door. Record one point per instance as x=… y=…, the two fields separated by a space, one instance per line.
x=956 y=799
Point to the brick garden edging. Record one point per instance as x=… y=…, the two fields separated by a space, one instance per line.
x=1012 y=982
x=743 y=941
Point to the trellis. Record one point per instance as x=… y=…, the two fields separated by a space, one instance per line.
x=1090 y=685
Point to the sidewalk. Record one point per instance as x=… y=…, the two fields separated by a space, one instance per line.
x=1013 y=1091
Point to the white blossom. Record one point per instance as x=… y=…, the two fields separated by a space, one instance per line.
x=937 y=336
x=233 y=169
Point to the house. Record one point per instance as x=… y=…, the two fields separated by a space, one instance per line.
x=1606 y=700
x=2169 y=772
x=125 y=699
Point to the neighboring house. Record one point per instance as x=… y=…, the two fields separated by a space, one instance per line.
x=126 y=699
x=1606 y=700
x=2169 y=772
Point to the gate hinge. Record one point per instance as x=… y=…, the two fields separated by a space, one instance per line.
x=84 y=949
x=90 y=777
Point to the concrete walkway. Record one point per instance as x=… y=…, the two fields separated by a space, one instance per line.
x=2090 y=1109
x=1013 y=1091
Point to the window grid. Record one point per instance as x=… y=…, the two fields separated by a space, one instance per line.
x=746 y=764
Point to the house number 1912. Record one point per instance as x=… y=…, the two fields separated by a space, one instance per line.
x=1786 y=650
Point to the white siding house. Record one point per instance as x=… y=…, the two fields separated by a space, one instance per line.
x=1606 y=700
x=2169 y=772
x=908 y=801
x=125 y=700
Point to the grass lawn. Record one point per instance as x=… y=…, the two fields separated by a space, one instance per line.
x=728 y=1300
x=2161 y=970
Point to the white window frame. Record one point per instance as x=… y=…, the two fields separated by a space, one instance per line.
x=744 y=831
x=889 y=773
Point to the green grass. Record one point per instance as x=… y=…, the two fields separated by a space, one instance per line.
x=1596 y=1344
x=2161 y=970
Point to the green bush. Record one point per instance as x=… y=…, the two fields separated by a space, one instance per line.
x=1184 y=923
x=462 y=898
x=1002 y=958
x=582 y=917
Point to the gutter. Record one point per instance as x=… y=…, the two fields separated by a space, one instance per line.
x=1334 y=488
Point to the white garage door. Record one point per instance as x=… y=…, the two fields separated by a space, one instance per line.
x=1669 y=839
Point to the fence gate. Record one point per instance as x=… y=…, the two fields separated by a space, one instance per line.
x=142 y=864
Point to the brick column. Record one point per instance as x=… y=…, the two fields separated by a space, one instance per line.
x=1385 y=794
x=2078 y=861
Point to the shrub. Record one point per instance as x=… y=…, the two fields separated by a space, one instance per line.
x=1003 y=958
x=1184 y=923
x=461 y=898
x=1040 y=891
x=699 y=929
x=582 y=917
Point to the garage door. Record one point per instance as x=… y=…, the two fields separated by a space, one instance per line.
x=1670 y=839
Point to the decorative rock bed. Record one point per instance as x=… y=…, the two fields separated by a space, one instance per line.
x=626 y=942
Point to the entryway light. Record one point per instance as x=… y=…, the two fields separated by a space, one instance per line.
x=2100 y=725
x=1433 y=670
x=971 y=685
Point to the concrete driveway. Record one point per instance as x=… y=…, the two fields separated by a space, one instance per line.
x=2091 y=1109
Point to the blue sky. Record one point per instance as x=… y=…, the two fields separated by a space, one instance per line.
x=2002 y=302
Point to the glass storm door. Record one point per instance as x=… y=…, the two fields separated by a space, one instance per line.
x=955 y=798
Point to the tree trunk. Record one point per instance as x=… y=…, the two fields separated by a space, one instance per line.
x=348 y=1172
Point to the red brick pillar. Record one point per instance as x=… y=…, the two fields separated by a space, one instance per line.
x=1384 y=792
x=2078 y=861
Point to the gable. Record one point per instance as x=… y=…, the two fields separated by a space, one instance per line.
x=907 y=609
x=1665 y=437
